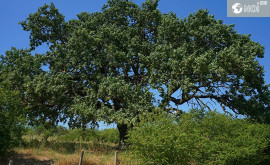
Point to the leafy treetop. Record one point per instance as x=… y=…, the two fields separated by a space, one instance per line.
x=105 y=65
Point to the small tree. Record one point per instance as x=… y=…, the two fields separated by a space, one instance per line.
x=12 y=120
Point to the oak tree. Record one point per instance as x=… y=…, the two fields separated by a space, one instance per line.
x=109 y=65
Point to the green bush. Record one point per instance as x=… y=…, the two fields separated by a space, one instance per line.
x=77 y=135
x=63 y=134
x=11 y=120
x=106 y=135
x=109 y=135
x=200 y=137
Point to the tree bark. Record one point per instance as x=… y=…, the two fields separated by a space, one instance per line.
x=122 y=128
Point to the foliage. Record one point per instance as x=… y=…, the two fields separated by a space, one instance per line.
x=78 y=135
x=105 y=65
x=63 y=134
x=109 y=135
x=106 y=135
x=200 y=137
x=12 y=120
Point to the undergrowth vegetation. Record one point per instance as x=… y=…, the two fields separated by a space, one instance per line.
x=197 y=137
x=12 y=120
x=69 y=141
x=62 y=146
x=200 y=137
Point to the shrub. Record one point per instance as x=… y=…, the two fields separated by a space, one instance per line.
x=11 y=120
x=106 y=135
x=77 y=135
x=109 y=135
x=200 y=137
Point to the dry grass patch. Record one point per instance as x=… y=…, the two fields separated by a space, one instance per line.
x=56 y=158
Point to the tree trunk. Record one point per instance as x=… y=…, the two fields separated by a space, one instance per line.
x=122 y=128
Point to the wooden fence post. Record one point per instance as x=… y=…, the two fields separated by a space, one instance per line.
x=80 y=143
x=115 y=158
x=81 y=159
x=10 y=162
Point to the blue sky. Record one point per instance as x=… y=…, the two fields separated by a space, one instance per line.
x=14 y=11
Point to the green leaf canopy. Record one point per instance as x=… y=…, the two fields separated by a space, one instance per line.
x=106 y=65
